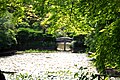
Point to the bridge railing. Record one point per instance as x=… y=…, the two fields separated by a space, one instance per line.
x=64 y=43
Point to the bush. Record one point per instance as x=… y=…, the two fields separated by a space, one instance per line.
x=27 y=35
x=31 y=39
x=23 y=25
x=7 y=40
x=78 y=43
x=49 y=38
x=7 y=32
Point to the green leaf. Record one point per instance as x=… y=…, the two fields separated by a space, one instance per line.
x=76 y=75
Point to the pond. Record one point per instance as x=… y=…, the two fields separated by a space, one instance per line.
x=60 y=65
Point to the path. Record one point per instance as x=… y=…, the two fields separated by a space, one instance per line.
x=42 y=62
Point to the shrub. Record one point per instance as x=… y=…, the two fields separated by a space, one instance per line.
x=32 y=39
x=78 y=43
x=49 y=38
x=7 y=39
x=26 y=35
x=23 y=25
x=7 y=32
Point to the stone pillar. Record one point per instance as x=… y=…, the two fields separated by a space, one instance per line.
x=64 y=45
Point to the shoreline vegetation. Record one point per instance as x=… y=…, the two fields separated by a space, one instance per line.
x=39 y=51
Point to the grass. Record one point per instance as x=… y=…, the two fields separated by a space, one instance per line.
x=36 y=51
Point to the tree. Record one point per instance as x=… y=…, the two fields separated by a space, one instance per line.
x=103 y=40
x=7 y=34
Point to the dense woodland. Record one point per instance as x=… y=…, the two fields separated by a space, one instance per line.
x=26 y=21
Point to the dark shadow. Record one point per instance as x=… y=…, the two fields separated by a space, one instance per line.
x=80 y=49
x=7 y=53
x=2 y=77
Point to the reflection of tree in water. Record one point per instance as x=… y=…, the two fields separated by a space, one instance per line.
x=2 y=77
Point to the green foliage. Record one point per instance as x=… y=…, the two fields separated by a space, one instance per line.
x=42 y=76
x=31 y=39
x=80 y=37
x=99 y=21
x=78 y=43
x=107 y=49
x=103 y=40
x=23 y=77
x=23 y=25
x=51 y=16
x=7 y=39
x=7 y=34
x=38 y=51
x=49 y=38
x=27 y=34
x=36 y=26
x=84 y=74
